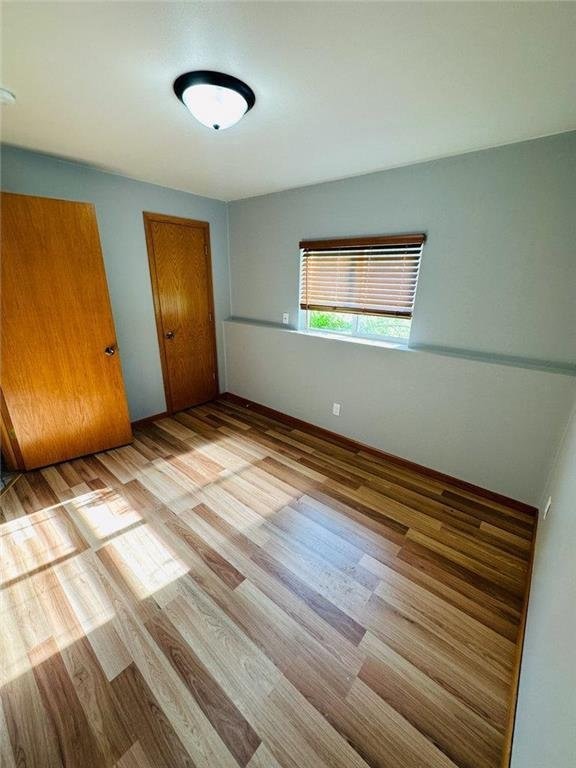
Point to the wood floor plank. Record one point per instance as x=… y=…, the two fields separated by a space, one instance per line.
x=509 y=520
x=313 y=729
x=7 y=758
x=510 y=578
x=235 y=731
x=503 y=623
x=88 y=679
x=369 y=518
x=57 y=482
x=35 y=542
x=377 y=732
x=76 y=739
x=469 y=682
x=133 y=589
x=396 y=742
x=343 y=623
x=135 y=757
x=517 y=544
x=498 y=552
x=492 y=650
x=148 y=723
x=298 y=527
x=43 y=495
x=30 y=733
x=230 y=590
x=69 y=474
x=465 y=737
x=94 y=614
x=214 y=560
x=493 y=593
x=101 y=708
x=298 y=655
x=332 y=628
x=168 y=694
x=263 y=758
x=12 y=506
x=240 y=668
x=234 y=512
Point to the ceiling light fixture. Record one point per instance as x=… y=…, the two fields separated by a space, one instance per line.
x=216 y=100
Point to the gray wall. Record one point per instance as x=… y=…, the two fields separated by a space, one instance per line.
x=494 y=425
x=545 y=733
x=498 y=278
x=497 y=283
x=498 y=270
x=119 y=205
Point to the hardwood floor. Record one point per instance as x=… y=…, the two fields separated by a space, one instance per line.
x=229 y=591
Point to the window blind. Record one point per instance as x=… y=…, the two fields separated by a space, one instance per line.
x=373 y=275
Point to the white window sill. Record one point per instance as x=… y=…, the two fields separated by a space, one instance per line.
x=548 y=366
x=400 y=345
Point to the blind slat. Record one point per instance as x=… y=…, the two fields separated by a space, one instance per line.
x=377 y=276
x=363 y=255
x=399 y=261
x=384 y=280
x=352 y=290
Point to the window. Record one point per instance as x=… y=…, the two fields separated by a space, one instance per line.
x=361 y=286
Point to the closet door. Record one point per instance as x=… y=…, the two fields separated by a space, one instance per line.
x=62 y=386
x=180 y=269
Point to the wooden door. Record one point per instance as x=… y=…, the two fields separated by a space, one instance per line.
x=181 y=274
x=62 y=386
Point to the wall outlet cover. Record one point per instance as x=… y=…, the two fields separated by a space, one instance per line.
x=336 y=409
x=286 y=318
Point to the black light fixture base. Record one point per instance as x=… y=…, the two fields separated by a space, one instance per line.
x=207 y=77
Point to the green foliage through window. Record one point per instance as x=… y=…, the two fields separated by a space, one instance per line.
x=331 y=321
x=360 y=325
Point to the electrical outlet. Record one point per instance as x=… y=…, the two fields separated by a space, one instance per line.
x=286 y=318
x=336 y=409
x=547 y=507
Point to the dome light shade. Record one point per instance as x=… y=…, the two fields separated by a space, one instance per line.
x=216 y=100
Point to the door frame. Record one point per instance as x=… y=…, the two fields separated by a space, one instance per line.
x=161 y=218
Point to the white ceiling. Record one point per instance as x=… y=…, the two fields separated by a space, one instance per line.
x=342 y=88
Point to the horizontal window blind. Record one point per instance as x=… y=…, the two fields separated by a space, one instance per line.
x=374 y=276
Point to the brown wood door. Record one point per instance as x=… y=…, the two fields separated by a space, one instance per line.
x=181 y=274
x=63 y=396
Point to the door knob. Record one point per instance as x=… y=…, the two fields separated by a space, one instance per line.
x=170 y=334
x=109 y=351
